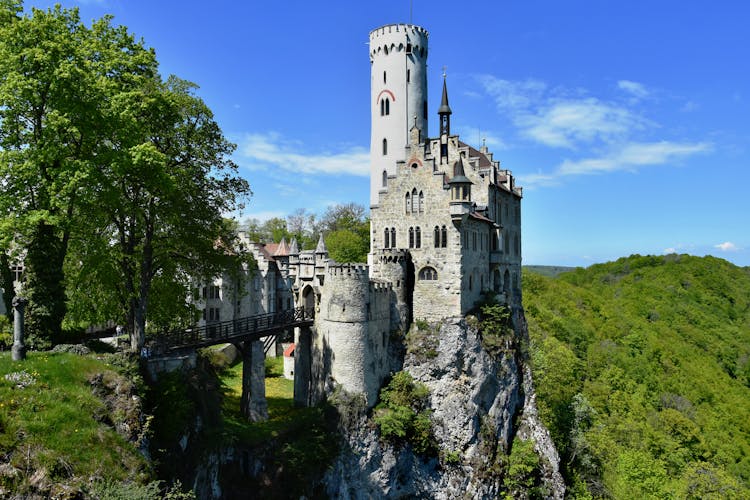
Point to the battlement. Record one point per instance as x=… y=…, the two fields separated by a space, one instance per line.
x=387 y=255
x=399 y=37
x=347 y=270
x=380 y=286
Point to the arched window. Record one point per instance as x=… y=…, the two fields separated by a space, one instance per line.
x=437 y=237
x=382 y=107
x=408 y=203
x=421 y=202
x=427 y=274
x=418 y=238
x=443 y=237
x=387 y=106
x=411 y=237
x=385 y=178
x=393 y=237
x=386 y=51
x=414 y=203
x=387 y=239
x=385 y=147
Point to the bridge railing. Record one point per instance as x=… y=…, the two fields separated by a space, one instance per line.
x=226 y=331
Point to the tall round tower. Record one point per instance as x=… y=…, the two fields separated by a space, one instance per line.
x=398 y=94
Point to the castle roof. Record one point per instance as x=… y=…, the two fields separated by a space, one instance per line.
x=321 y=248
x=484 y=162
x=282 y=250
x=444 y=108
x=293 y=247
x=459 y=175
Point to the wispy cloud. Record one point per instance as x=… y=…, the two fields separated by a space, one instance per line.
x=261 y=151
x=635 y=89
x=627 y=157
x=727 y=246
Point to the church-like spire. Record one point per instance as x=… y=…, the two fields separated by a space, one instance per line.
x=321 y=248
x=445 y=123
x=444 y=108
x=293 y=247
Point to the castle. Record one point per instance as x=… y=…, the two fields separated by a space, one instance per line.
x=445 y=229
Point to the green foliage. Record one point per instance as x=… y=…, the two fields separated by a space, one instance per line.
x=402 y=414
x=640 y=369
x=155 y=490
x=523 y=475
x=6 y=285
x=422 y=341
x=347 y=246
x=496 y=329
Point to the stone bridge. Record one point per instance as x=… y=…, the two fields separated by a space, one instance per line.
x=247 y=335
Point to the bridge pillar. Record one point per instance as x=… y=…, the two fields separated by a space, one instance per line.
x=302 y=365
x=253 y=402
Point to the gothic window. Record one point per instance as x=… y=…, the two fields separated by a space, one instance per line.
x=421 y=202
x=408 y=74
x=424 y=109
x=386 y=51
x=427 y=274
x=418 y=237
x=414 y=201
x=385 y=147
x=408 y=203
x=382 y=107
x=387 y=239
x=393 y=237
x=411 y=237
x=385 y=178
x=437 y=237
x=387 y=106
x=443 y=237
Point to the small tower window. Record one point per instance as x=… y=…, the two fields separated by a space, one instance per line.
x=384 y=79
x=414 y=201
x=387 y=106
x=387 y=243
x=421 y=202
x=424 y=109
x=385 y=178
x=411 y=237
x=437 y=237
x=408 y=48
x=408 y=75
x=408 y=203
x=444 y=237
x=393 y=237
x=418 y=238
x=428 y=274
x=382 y=107
x=385 y=147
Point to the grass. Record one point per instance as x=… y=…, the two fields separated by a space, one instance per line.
x=50 y=420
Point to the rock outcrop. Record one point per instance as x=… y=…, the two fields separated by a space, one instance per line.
x=479 y=405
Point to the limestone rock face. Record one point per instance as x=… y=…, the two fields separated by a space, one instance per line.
x=475 y=402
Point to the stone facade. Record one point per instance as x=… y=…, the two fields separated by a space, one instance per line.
x=445 y=230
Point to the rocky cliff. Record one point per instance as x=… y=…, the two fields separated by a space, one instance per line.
x=480 y=405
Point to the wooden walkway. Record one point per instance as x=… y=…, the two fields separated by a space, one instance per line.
x=233 y=331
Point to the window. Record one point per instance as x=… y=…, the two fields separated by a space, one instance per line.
x=421 y=202
x=473 y=240
x=437 y=237
x=408 y=203
x=382 y=107
x=387 y=239
x=387 y=106
x=411 y=237
x=470 y=283
x=424 y=109
x=418 y=237
x=427 y=274
x=385 y=178
x=393 y=237
x=17 y=272
x=408 y=72
x=408 y=50
x=385 y=147
x=384 y=79
x=444 y=237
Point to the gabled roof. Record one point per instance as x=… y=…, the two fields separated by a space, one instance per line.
x=321 y=248
x=484 y=162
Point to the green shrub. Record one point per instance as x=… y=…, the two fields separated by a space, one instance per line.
x=402 y=414
x=496 y=329
x=422 y=342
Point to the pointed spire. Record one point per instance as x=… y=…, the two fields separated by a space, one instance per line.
x=282 y=249
x=293 y=247
x=444 y=108
x=459 y=174
x=321 y=248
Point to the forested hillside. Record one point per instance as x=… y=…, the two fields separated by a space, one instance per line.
x=643 y=376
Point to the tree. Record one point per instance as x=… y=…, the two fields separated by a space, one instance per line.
x=54 y=76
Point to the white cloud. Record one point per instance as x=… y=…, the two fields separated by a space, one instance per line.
x=727 y=246
x=635 y=89
x=627 y=157
x=566 y=123
x=261 y=151
x=510 y=95
x=670 y=250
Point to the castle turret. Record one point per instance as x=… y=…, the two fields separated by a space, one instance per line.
x=398 y=94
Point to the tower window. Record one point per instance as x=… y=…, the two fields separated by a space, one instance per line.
x=421 y=202
x=408 y=48
x=385 y=178
x=393 y=237
x=382 y=107
x=427 y=273
x=408 y=203
x=411 y=237
x=387 y=106
x=408 y=75
x=414 y=201
x=418 y=238
x=437 y=237
x=424 y=109
x=387 y=243
x=384 y=79
x=385 y=147
x=444 y=237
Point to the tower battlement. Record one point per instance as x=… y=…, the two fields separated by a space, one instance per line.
x=356 y=271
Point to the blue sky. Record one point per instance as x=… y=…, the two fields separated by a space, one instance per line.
x=626 y=122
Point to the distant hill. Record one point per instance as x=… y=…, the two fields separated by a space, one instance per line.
x=642 y=372
x=549 y=271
